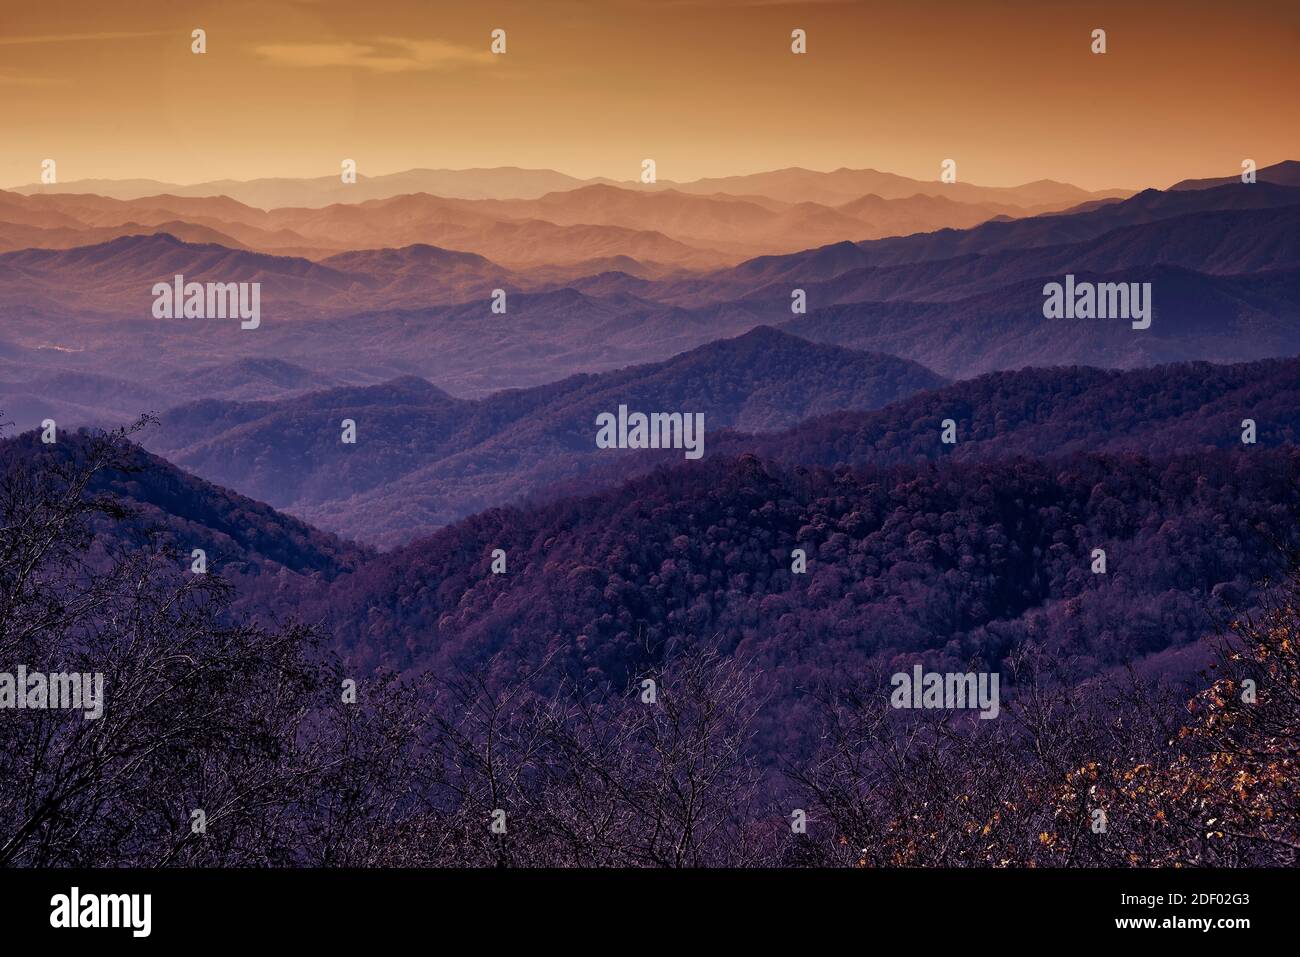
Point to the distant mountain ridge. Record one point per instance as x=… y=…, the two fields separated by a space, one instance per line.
x=61 y=221
x=1054 y=412
x=1222 y=262
x=1233 y=229
x=1231 y=318
x=1286 y=173
x=794 y=184
x=664 y=225
x=1038 y=234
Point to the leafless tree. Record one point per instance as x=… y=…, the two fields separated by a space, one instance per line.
x=221 y=742
x=251 y=729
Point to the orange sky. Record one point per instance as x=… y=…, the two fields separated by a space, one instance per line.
x=705 y=87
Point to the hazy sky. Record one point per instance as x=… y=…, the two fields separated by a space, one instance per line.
x=1010 y=90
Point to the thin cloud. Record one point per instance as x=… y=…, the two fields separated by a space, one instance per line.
x=9 y=78
x=381 y=55
x=75 y=38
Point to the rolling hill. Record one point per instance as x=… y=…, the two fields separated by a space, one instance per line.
x=245 y=540
x=423 y=458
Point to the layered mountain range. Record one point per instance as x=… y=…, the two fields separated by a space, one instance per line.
x=794 y=185
x=424 y=458
x=1221 y=261
x=915 y=550
x=829 y=327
